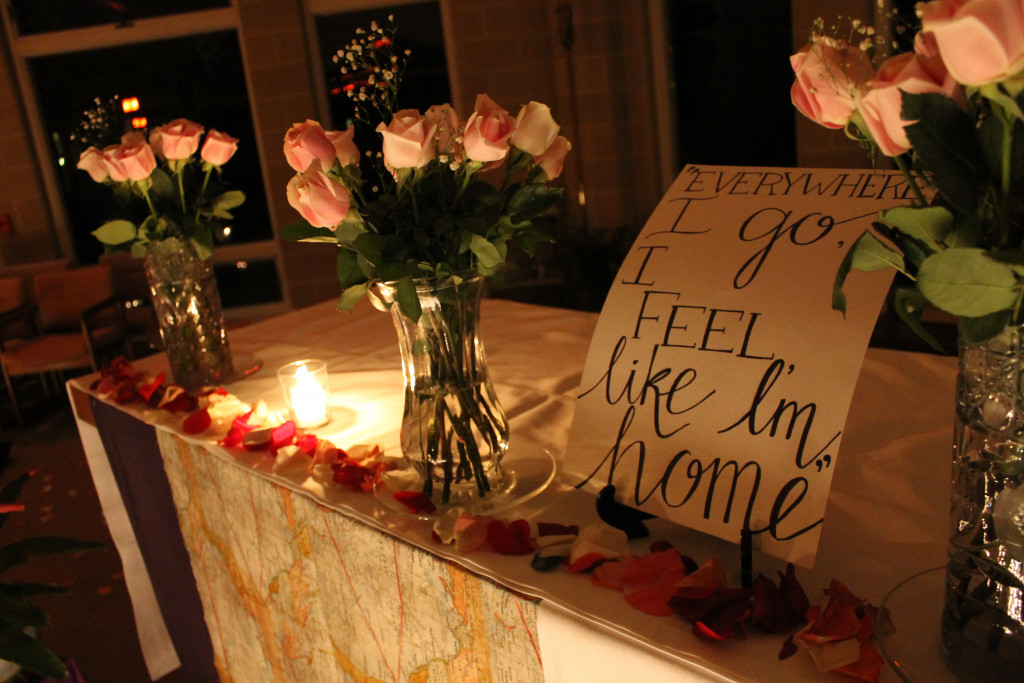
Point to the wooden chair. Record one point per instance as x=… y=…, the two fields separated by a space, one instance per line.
x=132 y=287
x=75 y=318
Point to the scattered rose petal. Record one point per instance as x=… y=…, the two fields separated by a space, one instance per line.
x=600 y=539
x=197 y=423
x=470 y=532
x=416 y=502
x=511 y=538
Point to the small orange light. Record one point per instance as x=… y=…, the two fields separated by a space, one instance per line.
x=130 y=104
x=139 y=122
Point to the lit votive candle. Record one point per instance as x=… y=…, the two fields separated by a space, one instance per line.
x=306 y=391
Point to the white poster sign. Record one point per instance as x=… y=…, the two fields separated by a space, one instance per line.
x=719 y=377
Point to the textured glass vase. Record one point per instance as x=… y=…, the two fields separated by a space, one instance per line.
x=188 y=309
x=454 y=431
x=983 y=617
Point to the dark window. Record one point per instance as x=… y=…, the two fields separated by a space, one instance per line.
x=42 y=16
x=198 y=77
x=732 y=81
x=418 y=29
x=247 y=282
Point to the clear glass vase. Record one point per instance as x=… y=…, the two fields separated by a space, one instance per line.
x=454 y=431
x=983 y=616
x=188 y=309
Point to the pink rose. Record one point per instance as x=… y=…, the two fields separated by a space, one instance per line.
x=881 y=106
x=129 y=162
x=446 y=125
x=487 y=131
x=828 y=76
x=318 y=197
x=178 y=139
x=535 y=129
x=91 y=161
x=980 y=41
x=307 y=142
x=553 y=158
x=218 y=148
x=408 y=141
x=345 y=150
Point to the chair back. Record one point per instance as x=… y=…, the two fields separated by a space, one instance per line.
x=12 y=297
x=62 y=295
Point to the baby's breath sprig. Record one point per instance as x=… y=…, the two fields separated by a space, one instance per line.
x=100 y=125
x=372 y=69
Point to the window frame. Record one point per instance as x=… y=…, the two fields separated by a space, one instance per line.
x=24 y=48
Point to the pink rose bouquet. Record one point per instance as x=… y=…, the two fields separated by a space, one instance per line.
x=170 y=181
x=444 y=195
x=949 y=112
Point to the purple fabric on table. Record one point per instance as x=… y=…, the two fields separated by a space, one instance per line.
x=134 y=456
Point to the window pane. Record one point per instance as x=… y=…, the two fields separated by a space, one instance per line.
x=725 y=116
x=198 y=77
x=247 y=282
x=417 y=28
x=42 y=16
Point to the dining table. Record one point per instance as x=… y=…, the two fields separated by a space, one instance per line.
x=243 y=566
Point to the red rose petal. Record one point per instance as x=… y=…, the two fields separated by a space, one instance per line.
x=283 y=435
x=146 y=391
x=307 y=442
x=586 y=562
x=353 y=475
x=197 y=423
x=609 y=574
x=511 y=538
x=415 y=501
x=553 y=529
x=664 y=567
x=867 y=668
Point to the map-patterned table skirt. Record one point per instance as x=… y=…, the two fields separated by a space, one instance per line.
x=291 y=588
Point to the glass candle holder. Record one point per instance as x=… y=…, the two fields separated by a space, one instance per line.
x=306 y=391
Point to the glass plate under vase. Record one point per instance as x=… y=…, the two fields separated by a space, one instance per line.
x=188 y=310
x=983 y=615
x=454 y=432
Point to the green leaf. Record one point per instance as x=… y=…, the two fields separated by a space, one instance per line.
x=867 y=254
x=302 y=231
x=944 y=138
x=929 y=224
x=967 y=282
x=370 y=246
x=139 y=249
x=202 y=239
x=909 y=305
x=976 y=330
x=229 y=200
x=408 y=301
x=22 y=551
x=20 y=612
x=349 y=272
x=27 y=589
x=530 y=201
x=28 y=653
x=351 y=296
x=161 y=184
x=115 y=232
x=486 y=253
x=871 y=254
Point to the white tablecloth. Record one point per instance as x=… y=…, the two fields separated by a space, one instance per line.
x=886 y=518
